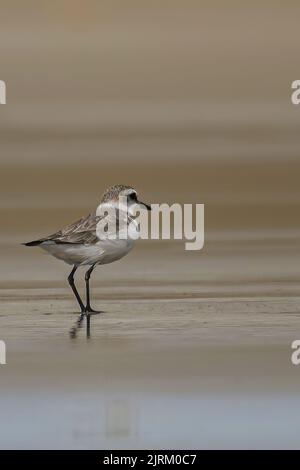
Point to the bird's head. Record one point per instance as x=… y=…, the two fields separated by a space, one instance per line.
x=120 y=194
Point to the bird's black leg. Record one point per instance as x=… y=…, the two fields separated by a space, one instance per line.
x=88 y=307
x=73 y=287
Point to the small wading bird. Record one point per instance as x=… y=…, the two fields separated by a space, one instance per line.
x=81 y=244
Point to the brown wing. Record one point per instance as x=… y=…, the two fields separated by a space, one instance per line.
x=83 y=231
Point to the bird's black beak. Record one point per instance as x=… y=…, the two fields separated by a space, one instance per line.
x=146 y=205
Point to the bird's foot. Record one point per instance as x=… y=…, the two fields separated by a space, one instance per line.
x=90 y=311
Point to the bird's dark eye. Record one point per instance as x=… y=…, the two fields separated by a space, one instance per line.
x=132 y=197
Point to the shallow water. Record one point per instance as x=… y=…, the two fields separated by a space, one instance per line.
x=105 y=421
x=163 y=368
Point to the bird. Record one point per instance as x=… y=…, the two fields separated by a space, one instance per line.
x=83 y=244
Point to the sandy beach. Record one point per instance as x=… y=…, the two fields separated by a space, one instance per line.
x=181 y=357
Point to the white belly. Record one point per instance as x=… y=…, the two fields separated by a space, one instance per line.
x=103 y=252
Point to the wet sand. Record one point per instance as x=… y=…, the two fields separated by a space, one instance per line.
x=176 y=359
x=179 y=373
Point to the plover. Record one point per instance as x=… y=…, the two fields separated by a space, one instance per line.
x=80 y=243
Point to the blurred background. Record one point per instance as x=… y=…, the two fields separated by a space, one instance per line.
x=186 y=101
x=189 y=101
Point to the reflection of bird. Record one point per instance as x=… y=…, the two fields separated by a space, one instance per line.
x=82 y=243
